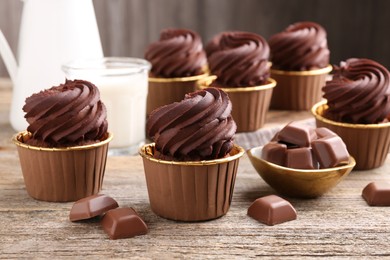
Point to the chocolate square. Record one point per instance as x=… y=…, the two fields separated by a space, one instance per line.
x=297 y=134
x=91 y=206
x=272 y=210
x=300 y=158
x=330 y=151
x=123 y=223
x=377 y=194
x=275 y=153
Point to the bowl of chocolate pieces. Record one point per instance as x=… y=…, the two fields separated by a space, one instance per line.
x=302 y=161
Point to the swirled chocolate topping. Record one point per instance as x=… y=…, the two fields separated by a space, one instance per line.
x=238 y=59
x=178 y=53
x=66 y=115
x=200 y=127
x=301 y=46
x=359 y=92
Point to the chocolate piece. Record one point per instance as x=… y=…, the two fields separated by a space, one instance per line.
x=300 y=158
x=377 y=194
x=330 y=151
x=274 y=152
x=298 y=134
x=91 y=206
x=272 y=210
x=324 y=132
x=123 y=223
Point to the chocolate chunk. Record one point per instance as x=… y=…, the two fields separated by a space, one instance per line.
x=300 y=158
x=272 y=210
x=324 y=132
x=330 y=151
x=274 y=152
x=377 y=194
x=123 y=223
x=298 y=134
x=91 y=206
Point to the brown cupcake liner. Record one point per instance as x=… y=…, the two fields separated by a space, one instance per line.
x=368 y=143
x=190 y=191
x=62 y=174
x=164 y=91
x=298 y=90
x=250 y=104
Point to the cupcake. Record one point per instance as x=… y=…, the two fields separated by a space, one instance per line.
x=358 y=109
x=63 y=152
x=239 y=62
x=178 y=62
x=191 y=168
x=300 y=65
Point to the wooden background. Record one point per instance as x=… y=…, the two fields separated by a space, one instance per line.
x=356 y=28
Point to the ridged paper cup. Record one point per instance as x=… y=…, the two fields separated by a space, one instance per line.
x=62 y=174
x=164 y=91
x=298 y=90
x=367 y=143
x=250 y=104
x=190 y=191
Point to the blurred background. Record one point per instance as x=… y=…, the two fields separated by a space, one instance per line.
x=356 y=28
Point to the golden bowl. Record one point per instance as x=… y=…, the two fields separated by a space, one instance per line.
x=298 y=183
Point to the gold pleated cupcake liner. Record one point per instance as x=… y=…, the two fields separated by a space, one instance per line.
x=190 y=191
x=250 y=104
x=164 y=91
x=298 y=90
x=368 y=143
x=62 y=174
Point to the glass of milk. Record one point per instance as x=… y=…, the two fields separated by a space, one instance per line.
x=123 y=85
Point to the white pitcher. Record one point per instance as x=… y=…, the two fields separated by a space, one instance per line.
x=52 y=32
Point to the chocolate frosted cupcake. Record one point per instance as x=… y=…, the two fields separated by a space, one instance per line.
x=178 y=62
x=239 y=61
x=193 y=161
x=63 y=152
x=300 y=64
x=357 y=109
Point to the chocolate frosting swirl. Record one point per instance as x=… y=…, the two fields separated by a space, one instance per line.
x=200 y=127
x=178 y=53
x=66 y=115
x=238 y=59
x=359 y=92
x=301 y=46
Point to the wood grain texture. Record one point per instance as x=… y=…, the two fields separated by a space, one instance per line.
x=337 y=225
x=356 y=28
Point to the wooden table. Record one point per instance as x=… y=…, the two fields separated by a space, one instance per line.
x=339 y=224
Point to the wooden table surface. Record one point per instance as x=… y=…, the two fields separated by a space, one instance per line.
x=339 y=224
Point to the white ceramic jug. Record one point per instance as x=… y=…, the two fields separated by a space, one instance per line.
x=52 y=32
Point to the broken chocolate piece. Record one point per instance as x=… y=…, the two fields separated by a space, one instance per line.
x=272 y=210
x=300 y=158
x=123 y=223
x=274 y=152
x=298 y=134
x=377 y=194
x=91 y=206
